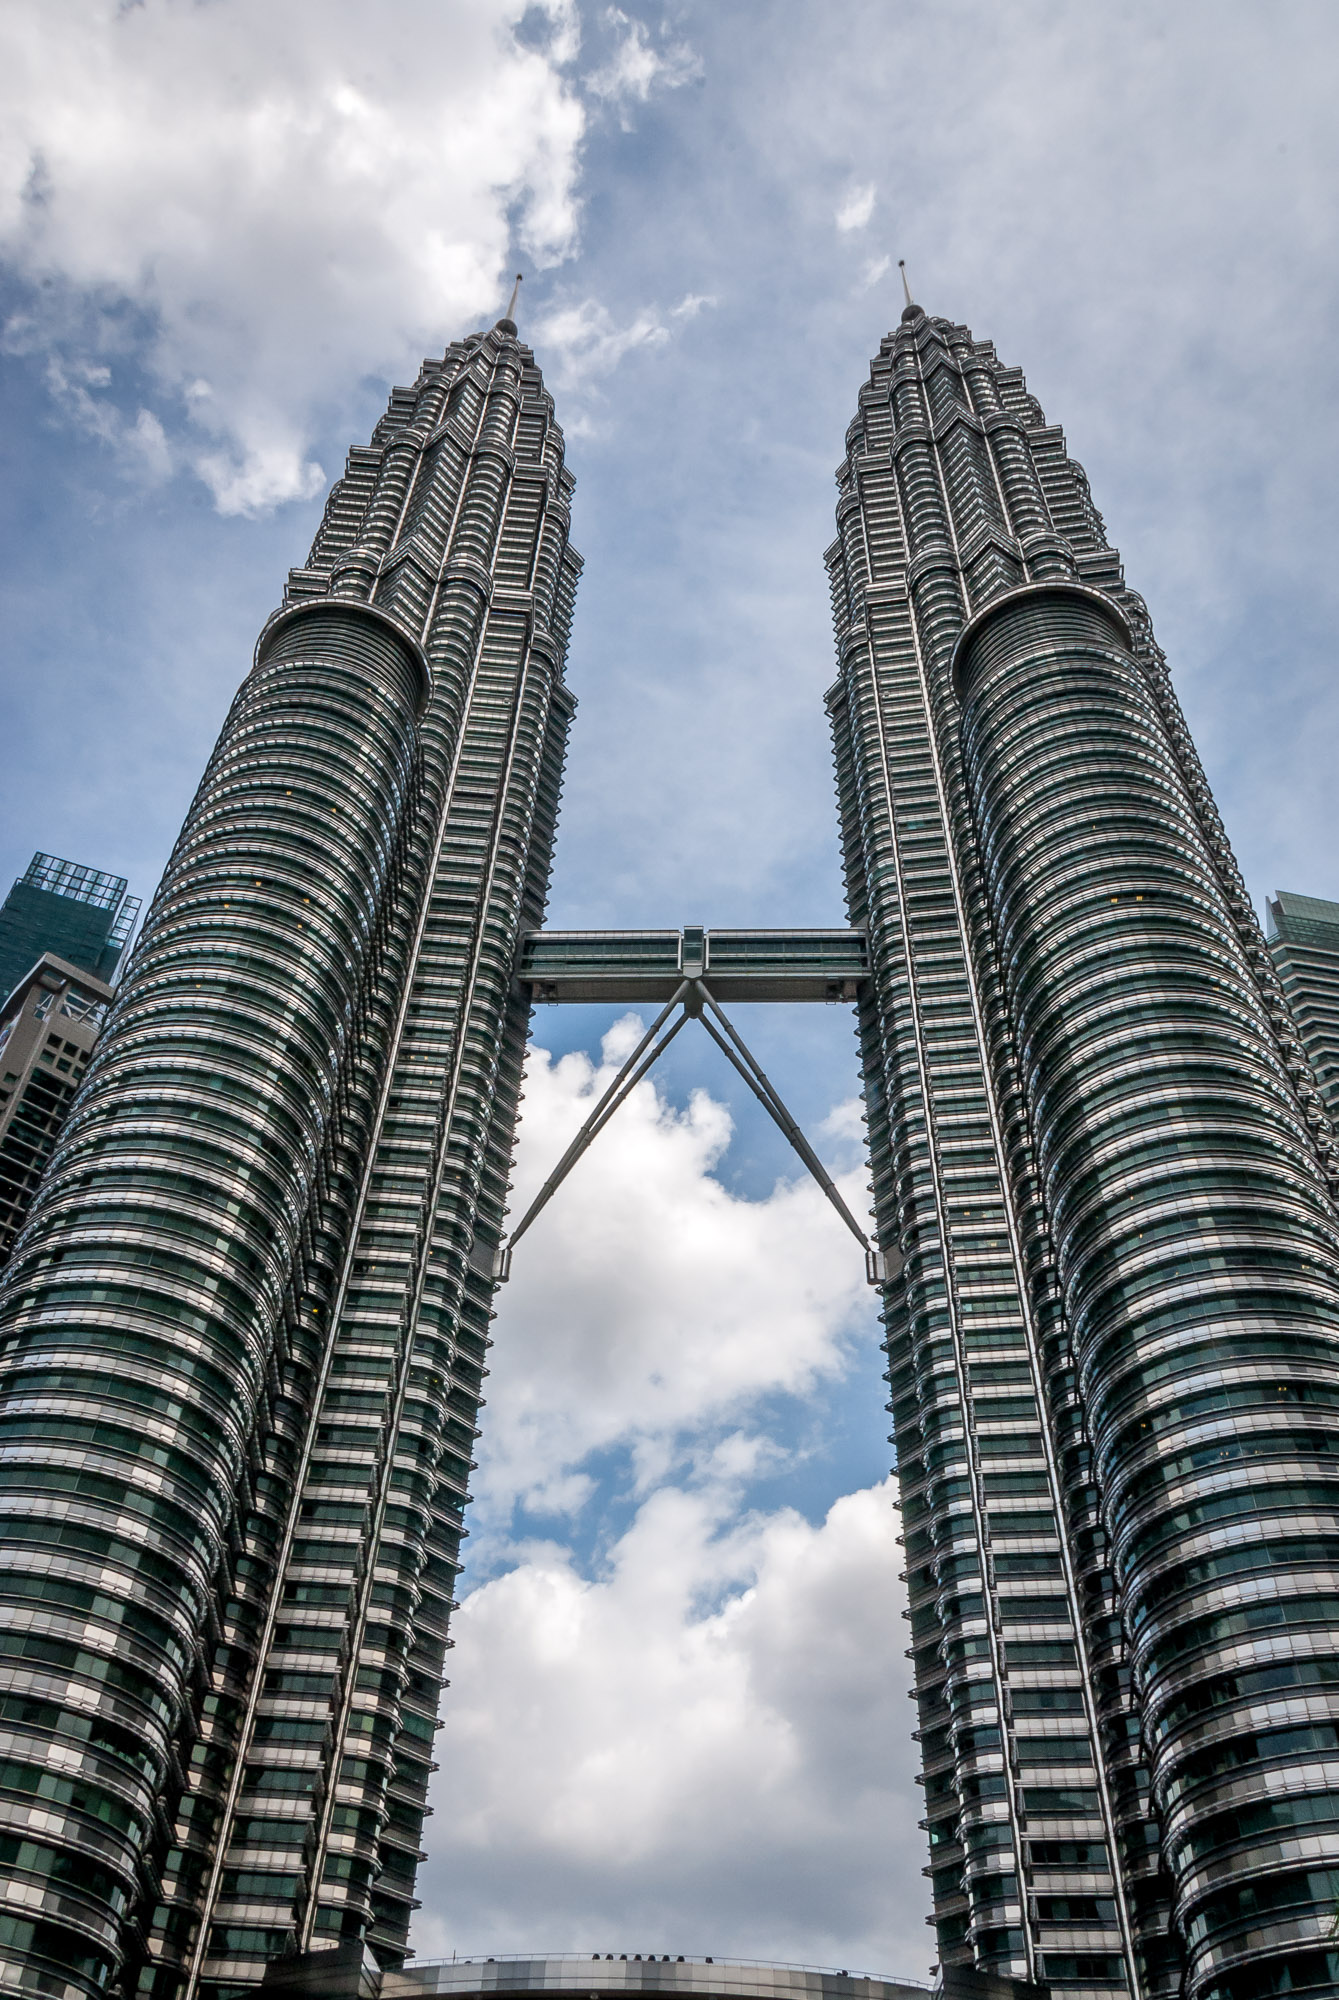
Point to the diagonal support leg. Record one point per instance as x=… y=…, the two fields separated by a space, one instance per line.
x=696 y=1001
x=631 y=1074
x=736 y=1051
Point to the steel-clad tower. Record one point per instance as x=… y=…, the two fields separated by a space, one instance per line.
x=1097 y=1139
x=243 y=1331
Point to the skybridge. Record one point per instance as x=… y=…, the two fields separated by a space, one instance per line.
x=630 y=968
x=690 y=972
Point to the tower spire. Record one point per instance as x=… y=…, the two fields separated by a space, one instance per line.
x=906 y=288
x=507 y=323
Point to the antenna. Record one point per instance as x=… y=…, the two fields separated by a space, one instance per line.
x=902 y=267
x=515 y=294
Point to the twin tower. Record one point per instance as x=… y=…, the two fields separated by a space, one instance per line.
x=243 y=1333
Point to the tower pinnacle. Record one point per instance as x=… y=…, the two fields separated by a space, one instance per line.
x=507 y=323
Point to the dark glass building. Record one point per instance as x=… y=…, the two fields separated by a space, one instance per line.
x=243 y=1332
x=63 y=929
x=1304 y=944
x=1097 y=1140
x=81 y=914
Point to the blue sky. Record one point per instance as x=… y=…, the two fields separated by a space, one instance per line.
x=679 y=1719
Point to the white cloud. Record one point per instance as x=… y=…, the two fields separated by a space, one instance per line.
x=562 y=26
x=691 y=305
x=875 y=269
x=273 y=200
x=141 y=446
x=636 y=67
x=856 y=208
x=704 y=1747
x=696 y=1739
x=583 y=342
x=648 y=1304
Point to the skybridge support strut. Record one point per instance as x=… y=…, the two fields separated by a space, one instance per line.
x=653 y=1043
x=694 y=1000
x=736 y=1051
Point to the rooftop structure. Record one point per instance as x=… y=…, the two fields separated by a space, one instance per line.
x=635 y=1973
x=602 y=1975
x=81 y=914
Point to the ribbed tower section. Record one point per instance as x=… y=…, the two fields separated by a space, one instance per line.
x=1097 y=1140
x=242 y=1336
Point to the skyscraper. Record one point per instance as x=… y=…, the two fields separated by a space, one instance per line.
x=82 y=914
x=1304 y=945
x=242 y=1335
x=63 y=928
x=1097 y=1139
x=48 y=1027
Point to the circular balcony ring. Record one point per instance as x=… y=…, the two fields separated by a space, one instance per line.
x=282 y=622
x=962 y=663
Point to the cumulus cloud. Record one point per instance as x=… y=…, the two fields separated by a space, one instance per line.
x=582 y=342
x=649 y=1305
x=856 y=208
x=692 y=304
x=710 y=1725
x=140 y=445
x=705 y=1712
x=637 y=66
x=245 y=208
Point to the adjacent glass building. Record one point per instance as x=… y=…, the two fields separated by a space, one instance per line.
x=82 y=914
x=243 y=1332
x=1304 y=944
x=63 y=929
x=1098 y=1141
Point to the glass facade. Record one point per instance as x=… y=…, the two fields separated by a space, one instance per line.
x=1304 y=945
x=1097 y=1139
x=244 y=1327
x=81 y=914
x=243 y=1331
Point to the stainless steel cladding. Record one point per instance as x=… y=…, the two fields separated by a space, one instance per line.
x=1198 y=1257
x=242 y=1334
x=1096 y=1138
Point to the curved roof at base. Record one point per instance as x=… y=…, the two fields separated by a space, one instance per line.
x=604 y=1975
